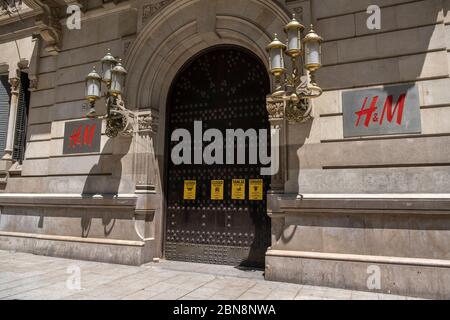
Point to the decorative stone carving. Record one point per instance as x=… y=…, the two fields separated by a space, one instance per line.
x=147 y=122
x=33 y=84
x=298 y=12
x=300 y=113
x=10 y=7
x=50 y=28
x=150 y=9
x=127 y=123
x=275 y=108
x=14 y=82
x=302 y=10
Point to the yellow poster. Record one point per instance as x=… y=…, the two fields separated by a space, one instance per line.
x=216 y=189
x=190 y=187
x=255 y=189
x=238 y=189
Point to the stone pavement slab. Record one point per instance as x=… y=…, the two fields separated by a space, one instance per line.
x=31 y=277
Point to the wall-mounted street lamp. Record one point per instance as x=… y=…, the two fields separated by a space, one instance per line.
x=113 y=77
x=294 y=90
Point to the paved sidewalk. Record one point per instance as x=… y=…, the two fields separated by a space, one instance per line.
x=27 y=276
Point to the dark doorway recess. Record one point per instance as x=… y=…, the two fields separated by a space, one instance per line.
x=225 y=88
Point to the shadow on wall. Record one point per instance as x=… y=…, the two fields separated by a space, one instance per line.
x=297 y=134
x=395 y=53
x=104 y=180
x=105 y=176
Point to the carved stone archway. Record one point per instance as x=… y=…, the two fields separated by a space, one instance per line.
x=185 y=27
x=171 y=37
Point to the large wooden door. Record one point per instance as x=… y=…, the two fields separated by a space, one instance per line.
x=225 y=88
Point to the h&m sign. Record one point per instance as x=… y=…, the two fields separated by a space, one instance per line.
x=82 y=136
x=384 y=111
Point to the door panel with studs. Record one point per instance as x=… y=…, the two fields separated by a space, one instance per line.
x=224 y=88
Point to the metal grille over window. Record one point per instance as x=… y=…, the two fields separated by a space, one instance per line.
x=5 y=95
x=21 y=120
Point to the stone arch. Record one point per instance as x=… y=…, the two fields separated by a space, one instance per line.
x=170 y=38
x=184 y=28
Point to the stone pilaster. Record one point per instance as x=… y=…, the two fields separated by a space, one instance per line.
x=147 y=211
x=278 y=127
x=276 y=110
x=145 y=167
x=15 y=86
x=33 y=69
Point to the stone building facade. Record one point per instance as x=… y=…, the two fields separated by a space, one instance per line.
x=341 y=209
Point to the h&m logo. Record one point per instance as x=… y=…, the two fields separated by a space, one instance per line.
x=371 y=114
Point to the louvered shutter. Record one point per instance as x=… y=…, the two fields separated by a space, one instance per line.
x=5 y=95
x=21 y=120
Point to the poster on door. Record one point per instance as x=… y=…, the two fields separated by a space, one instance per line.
x=255 y=189
x=190 y=187
x=238 y=189
x=217 y=189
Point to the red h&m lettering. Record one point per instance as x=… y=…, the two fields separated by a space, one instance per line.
x=367 y=112
x=75 y=138
x=371 y=115
x=399 y=107
x=88 y=136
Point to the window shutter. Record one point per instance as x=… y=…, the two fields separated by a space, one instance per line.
x=21 y=120
x=4 y=111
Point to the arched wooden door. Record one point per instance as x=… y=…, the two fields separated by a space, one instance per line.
x=224 y=88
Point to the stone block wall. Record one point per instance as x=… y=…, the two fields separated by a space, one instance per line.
x=380 y=200
x=411 y=47
x=80 y=205
x=59 y=97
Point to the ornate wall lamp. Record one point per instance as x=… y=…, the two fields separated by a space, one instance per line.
x=294 y=90
x=118 y=118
